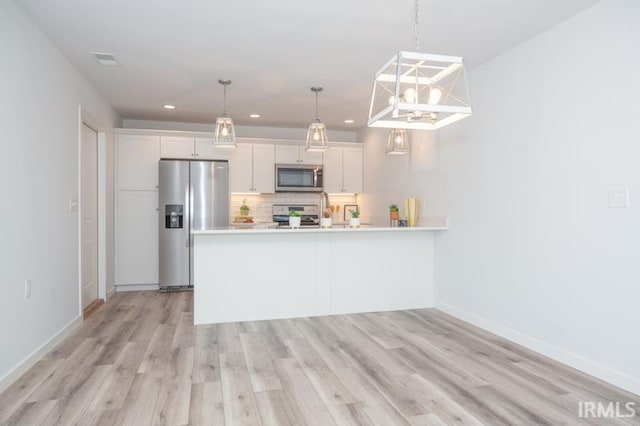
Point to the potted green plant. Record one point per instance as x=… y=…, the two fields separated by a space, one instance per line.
x=325 y=221
x=394 y=212
x=294 y=219
x=354 y=222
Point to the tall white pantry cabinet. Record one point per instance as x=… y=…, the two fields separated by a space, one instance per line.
x=136 y=239
x=252 y=169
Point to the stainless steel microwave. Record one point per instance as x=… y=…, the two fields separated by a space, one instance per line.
x=298 y=178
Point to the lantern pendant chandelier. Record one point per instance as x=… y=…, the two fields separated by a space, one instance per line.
x=317 y=133
x=398 y=142
x=419 y=91
x=225 y=134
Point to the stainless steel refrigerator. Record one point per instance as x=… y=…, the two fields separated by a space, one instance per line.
x=193 y=195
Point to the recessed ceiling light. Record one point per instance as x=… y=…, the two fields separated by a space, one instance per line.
x=348 y=121
x=103 y=58
x=169 y=106
x=254 y=115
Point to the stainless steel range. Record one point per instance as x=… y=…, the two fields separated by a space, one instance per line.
x=310 y=214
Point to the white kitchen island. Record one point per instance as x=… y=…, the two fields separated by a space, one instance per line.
x=259 y=274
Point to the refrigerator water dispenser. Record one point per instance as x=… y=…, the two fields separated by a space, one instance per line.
x=173 y=216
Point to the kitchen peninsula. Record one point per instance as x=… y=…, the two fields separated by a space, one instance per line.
x=259 y=274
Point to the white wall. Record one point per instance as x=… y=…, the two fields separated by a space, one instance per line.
x=41 y=93
x=389 y=179
x=534 y=252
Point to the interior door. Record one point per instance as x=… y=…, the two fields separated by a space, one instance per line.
x=89 y=215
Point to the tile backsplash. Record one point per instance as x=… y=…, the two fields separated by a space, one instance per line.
x=260 y=204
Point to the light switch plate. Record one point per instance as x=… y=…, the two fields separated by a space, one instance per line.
x=73 y=205
x=619 y=197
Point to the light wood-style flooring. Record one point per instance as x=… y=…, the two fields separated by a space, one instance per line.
x=138 y=360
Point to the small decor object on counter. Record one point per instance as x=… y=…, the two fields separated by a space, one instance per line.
x=335 y=212
x=294 y=219
x=411 y=210
x=325 y=221
x=348 y=209
x=354 y=222
x=244 y=208
x=402 y=223
x=394 y=215
x=242 y=219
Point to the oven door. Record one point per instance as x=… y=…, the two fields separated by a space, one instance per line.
x=298 y=178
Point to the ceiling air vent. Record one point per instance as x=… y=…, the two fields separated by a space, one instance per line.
x=108 y=59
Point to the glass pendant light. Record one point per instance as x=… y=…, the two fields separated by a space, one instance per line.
x=317 y=134
x=225 y=134
x=398 y=142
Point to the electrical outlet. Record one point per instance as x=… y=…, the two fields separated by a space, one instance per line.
x=619 y=197
x=27 y=289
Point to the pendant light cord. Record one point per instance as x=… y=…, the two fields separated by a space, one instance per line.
x=316 y=90
x=224 y=83
x=224 y=100
x=416 y=26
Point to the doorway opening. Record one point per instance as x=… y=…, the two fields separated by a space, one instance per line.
x=91 y=214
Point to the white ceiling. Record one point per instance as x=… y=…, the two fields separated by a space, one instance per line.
x=274 y=50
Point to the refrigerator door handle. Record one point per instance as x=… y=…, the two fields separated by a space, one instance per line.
x=187 y=213
x=190 y=192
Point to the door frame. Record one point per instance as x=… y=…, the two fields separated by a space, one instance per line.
x=85 y=117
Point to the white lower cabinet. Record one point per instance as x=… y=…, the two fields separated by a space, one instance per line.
x=137 y=238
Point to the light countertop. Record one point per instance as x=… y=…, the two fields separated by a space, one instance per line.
x=335 y=229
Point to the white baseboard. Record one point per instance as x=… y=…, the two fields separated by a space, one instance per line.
x=617 y=378
x=137 y=287
x=111 y=292
x=13 y=375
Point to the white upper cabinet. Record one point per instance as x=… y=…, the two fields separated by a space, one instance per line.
x=176 y=147
x=137 y=161
x=252 y=168
x=352 y=170
x=296 y=154
x=287 y=154
x=264 y=170
x=190 y=148
x=332 y=170
x=343 y=170
x=310 y=157
x=241 y=169
x=204 y=150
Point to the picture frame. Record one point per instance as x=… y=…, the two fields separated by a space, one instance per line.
x=348 y=208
